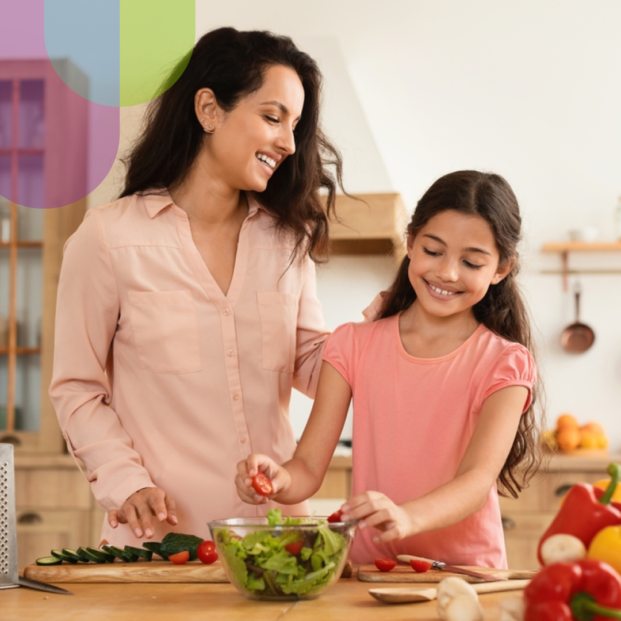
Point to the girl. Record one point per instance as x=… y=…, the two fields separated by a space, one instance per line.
x=443 y=388
x=187 y=308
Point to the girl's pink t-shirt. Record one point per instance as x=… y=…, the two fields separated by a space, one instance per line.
x=413 y=419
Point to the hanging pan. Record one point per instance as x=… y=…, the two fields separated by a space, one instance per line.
x=577 y=337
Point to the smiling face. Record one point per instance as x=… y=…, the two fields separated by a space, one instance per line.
x=453 y=261
x=251 y=141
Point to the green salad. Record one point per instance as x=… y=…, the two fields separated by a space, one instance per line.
x=273 y=563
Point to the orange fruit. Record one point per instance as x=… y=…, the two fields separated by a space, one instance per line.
x=595 y=428
x=602 y=441
x=568 y=438
x=588 y=440
x=566 y=420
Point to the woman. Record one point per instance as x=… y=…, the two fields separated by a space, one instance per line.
x=187 y=308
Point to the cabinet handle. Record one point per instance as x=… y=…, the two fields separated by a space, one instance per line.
x=14 y=440
x=507 y=523
x=29 y=518
x=561 y=490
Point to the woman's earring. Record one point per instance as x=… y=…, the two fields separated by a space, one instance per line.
x=208 y=131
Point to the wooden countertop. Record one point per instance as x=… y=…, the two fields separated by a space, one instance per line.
x=348 y=599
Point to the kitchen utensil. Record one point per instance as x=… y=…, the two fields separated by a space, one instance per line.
x=8 y=528
x=406 y=558
x=332 y=539
x=405 y=574
x=404 y=595
x=577 y=337
x=42 y=586
x=141 y=571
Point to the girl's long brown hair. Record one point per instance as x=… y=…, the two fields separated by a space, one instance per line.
x=232 y=64
x=502 y=310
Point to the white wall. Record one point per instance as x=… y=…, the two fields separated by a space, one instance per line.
x=530 y=89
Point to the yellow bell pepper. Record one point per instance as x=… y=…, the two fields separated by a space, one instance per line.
x=606 y=547
x=604 y=483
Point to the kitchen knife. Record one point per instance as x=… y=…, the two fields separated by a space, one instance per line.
x=406 y=558
x=41 y=586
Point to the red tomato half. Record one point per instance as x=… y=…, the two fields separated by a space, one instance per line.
x=180 y=558
x=206 y=552
x=294 y=548
x=262 y=485
x=420 y=566
x=385 y=564
x=336 y=516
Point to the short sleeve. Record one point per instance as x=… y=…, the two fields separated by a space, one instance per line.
x=340 y=351
x=514 y=367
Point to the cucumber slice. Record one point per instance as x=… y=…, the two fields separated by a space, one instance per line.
x=63 y=557
x=155 y=547
x=126 y=557
x=73 y=554
x=48 y=560
x=87 y=556
x=107 y=558
x=146 y=555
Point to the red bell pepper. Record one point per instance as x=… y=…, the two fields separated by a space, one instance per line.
x=583 y=515
x=587 y=590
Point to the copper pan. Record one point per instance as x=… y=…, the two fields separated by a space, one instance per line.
x=577 y=337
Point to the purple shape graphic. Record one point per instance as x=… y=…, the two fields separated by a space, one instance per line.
x=57 y=145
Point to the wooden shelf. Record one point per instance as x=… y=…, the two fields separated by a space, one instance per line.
x=564 y=248
x=22 y=244
x=22 y=350
x=370 y=224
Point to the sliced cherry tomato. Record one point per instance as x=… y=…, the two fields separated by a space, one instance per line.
x=385 y=564
x=336 y=516
x=419 y=565
x=262 y=485
x=294 y=548
x=180 y=558
x=206 y=552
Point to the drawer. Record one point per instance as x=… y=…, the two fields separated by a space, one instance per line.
x=336 y=484
x=522 y=533
x=38 y=532
x=62 y=488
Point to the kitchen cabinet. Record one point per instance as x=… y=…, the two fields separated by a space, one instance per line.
x=369 y=224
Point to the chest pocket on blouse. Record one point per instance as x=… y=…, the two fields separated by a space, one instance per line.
x=165 y=328
x=279 y=319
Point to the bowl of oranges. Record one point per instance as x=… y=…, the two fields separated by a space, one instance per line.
x=570 y=436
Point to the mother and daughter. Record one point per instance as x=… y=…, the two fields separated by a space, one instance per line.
x=187 y=311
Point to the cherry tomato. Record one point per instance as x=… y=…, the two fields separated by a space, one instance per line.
x=206 y=552
x=294 y=548
x=180 y=558
x=336 y=516
x=385 y=564
x=419 y=565
x=262 y=485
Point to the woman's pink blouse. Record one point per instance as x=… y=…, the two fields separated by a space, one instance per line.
x=162 y=380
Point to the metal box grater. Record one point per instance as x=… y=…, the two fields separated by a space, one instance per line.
x=8 y=530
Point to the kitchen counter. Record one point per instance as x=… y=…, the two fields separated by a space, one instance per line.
x=348 y=599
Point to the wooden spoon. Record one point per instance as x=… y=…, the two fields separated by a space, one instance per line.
x=405 y=595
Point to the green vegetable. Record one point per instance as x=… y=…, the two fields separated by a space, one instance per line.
x=260 y=564
x=63 y=557
x=146 y=555
x=48 y=560
x=156 y=548
x=73 y=554
x=173 y=543
x=102 y=554
x=87 y=556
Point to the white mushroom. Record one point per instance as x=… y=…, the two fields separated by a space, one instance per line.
x=448 y=590
x=562 y=549
x=512 y=609
x=463 y=608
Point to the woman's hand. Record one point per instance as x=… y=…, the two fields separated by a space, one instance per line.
x=141 y=507
x=248 y=468
x=377 y=510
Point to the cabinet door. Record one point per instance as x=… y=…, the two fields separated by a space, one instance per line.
x=38 y=488
x=522 y=534
x=38 y=532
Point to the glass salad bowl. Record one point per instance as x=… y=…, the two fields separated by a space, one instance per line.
x=275 y=558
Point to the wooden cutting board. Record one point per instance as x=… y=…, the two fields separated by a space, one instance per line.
x=404 y=573
x=141 y=571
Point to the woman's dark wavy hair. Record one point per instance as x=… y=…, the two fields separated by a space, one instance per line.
x=233 y=64
x=502 y=310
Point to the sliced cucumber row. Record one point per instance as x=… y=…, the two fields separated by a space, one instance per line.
x=106 y=554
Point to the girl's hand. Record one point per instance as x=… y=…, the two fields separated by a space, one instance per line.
x=247 y=469
x=140 y=508
x=377 y=510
